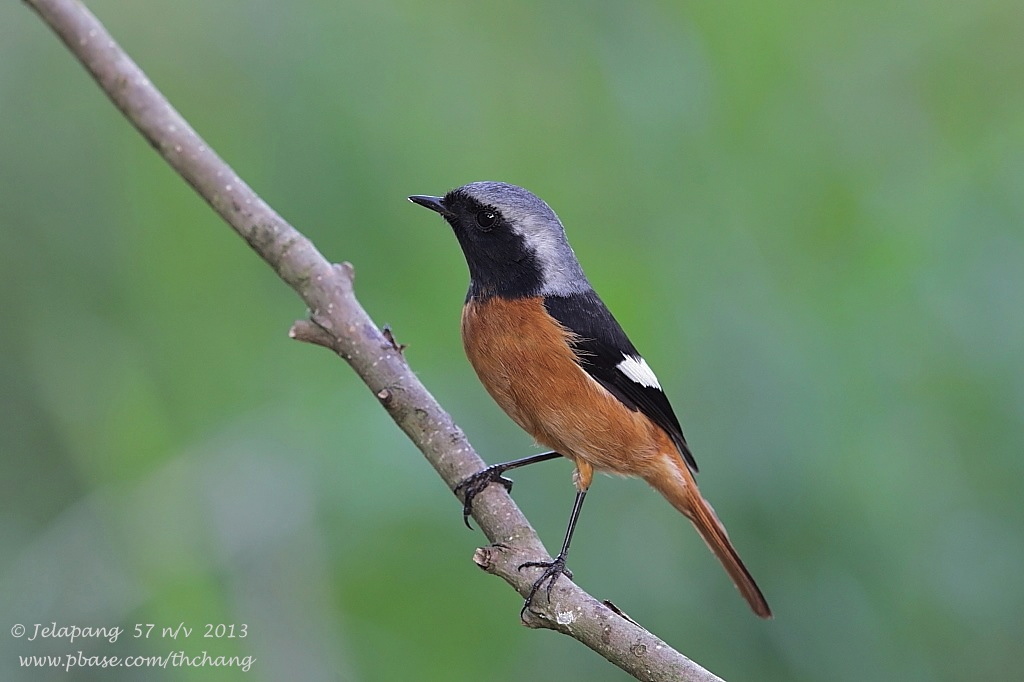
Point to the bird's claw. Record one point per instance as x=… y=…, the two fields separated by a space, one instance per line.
x=552 y=570
x=475 y=484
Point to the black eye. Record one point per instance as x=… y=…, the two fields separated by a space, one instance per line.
x=486 y=219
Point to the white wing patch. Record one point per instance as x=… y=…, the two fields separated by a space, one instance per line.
x=637 y=369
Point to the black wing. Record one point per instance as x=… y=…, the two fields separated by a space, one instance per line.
x=606 y=353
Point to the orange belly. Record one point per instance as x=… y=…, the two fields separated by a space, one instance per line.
x=523 y=359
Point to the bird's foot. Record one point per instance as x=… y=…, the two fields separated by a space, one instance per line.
x=475 y=484
x=552 y=570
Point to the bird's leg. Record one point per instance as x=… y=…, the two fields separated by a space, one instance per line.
x=553 y=569
x=475 y=484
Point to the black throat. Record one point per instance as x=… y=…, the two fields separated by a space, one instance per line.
x=500 y=263
x=516 y=278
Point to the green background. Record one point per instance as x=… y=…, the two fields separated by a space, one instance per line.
x=809 y=217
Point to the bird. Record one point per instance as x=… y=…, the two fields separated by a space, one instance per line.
x=552 y=356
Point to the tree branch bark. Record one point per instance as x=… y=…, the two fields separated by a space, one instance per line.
x=337 y=321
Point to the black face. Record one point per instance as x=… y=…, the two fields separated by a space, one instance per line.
x=500 y=262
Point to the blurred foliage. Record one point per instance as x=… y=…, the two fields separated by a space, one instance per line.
x=808 y=216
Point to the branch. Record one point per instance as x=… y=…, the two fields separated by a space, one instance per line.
x=337 y=321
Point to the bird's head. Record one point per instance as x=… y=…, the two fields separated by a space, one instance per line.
x=514 y=243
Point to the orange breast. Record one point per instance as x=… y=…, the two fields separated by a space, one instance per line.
x=523 y=359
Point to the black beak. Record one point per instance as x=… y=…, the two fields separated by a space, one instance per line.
x=433 y=203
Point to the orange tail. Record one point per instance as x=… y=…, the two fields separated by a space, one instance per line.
x=679 y=488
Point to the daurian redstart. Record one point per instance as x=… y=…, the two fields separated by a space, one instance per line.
x=551 y=355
